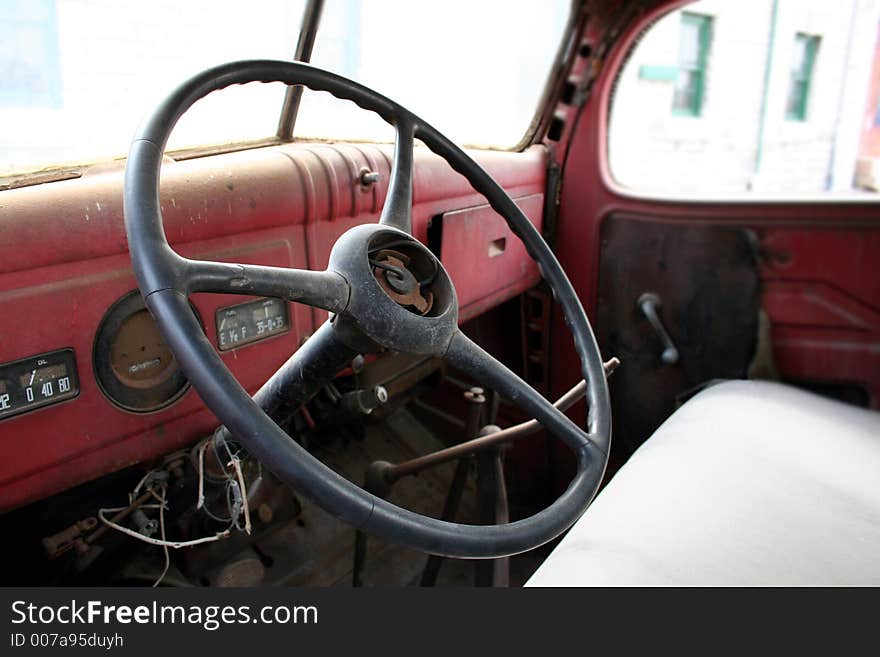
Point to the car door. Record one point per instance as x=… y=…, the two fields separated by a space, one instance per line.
x=710 y=155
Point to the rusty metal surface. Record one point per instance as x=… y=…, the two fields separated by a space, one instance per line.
x=394 y=276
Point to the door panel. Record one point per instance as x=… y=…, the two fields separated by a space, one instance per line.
x=821 y=292
x=707 y=284
x=816 y=260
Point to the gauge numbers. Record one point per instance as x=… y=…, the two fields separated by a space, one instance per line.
x=248 y=322
x=37 y=381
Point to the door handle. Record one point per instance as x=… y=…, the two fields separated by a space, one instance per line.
x=648 y=303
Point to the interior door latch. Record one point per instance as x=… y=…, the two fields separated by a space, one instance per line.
x=648 y=303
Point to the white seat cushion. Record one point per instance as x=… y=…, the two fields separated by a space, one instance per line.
x=748 y=483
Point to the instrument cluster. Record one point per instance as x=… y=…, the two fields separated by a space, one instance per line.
x=132 y=365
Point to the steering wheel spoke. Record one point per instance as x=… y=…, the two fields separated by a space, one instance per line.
x=469 y=357
x=310 y=368
x=397 y=211
x=321 y=289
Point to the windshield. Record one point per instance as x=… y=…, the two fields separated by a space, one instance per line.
x=474 y=70
x=78 y=76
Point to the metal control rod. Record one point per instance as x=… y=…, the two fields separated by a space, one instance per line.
x=649 y=303
x=397 y=471
x=381 y=476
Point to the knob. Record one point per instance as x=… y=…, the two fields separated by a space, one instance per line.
x=649 y=303
x=368 y=178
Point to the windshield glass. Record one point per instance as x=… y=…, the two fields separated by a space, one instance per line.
x=77 y=76
x=474 y=70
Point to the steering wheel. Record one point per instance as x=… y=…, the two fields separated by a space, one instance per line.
x=385 y=290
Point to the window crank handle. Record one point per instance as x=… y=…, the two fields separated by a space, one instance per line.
x=648 y=303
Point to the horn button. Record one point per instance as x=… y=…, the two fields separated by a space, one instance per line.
x=401 y=297
x=391 y=269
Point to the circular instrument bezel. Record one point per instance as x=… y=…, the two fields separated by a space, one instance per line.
x=140 y=397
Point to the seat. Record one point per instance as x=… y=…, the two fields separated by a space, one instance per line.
x=748 y=483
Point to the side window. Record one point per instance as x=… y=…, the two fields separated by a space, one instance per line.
x=766 y=98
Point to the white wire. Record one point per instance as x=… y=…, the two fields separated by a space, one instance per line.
x=137 y=489
x=163 y=505
x=162 y=534
x=236 y=463
x=201 y=501
x=155 y=541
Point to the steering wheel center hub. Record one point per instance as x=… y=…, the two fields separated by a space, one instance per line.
x=401 y=296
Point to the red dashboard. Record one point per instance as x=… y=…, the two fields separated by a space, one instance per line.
x=64 y=264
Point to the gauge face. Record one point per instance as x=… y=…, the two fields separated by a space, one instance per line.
x=139 y=356
x=248 y=322
x=134 y=367
x=37 y=381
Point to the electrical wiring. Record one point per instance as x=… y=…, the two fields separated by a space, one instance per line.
x=155 y=482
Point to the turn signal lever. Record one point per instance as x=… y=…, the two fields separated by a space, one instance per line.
x=648 y=303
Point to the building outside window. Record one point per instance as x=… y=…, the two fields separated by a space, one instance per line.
x=696 y=34
x=805 y=48
x=769 y=98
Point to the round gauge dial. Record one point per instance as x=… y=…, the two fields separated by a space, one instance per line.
x=134 y=367
x=139 y=356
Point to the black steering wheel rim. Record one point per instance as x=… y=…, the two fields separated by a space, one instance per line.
x=166 y=279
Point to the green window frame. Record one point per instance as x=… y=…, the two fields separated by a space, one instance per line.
x=802 y=64
x=693 y=54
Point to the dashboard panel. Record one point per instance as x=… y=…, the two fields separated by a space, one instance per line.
x=64 y=267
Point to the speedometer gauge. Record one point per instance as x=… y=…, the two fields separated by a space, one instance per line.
x=134 y=367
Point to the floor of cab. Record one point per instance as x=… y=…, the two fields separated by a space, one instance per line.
x=316 y=549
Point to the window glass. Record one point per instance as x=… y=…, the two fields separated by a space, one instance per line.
x=877 y=114
x=767 y=97
x=34 y=80
x=76 y=76
x=474 y=70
